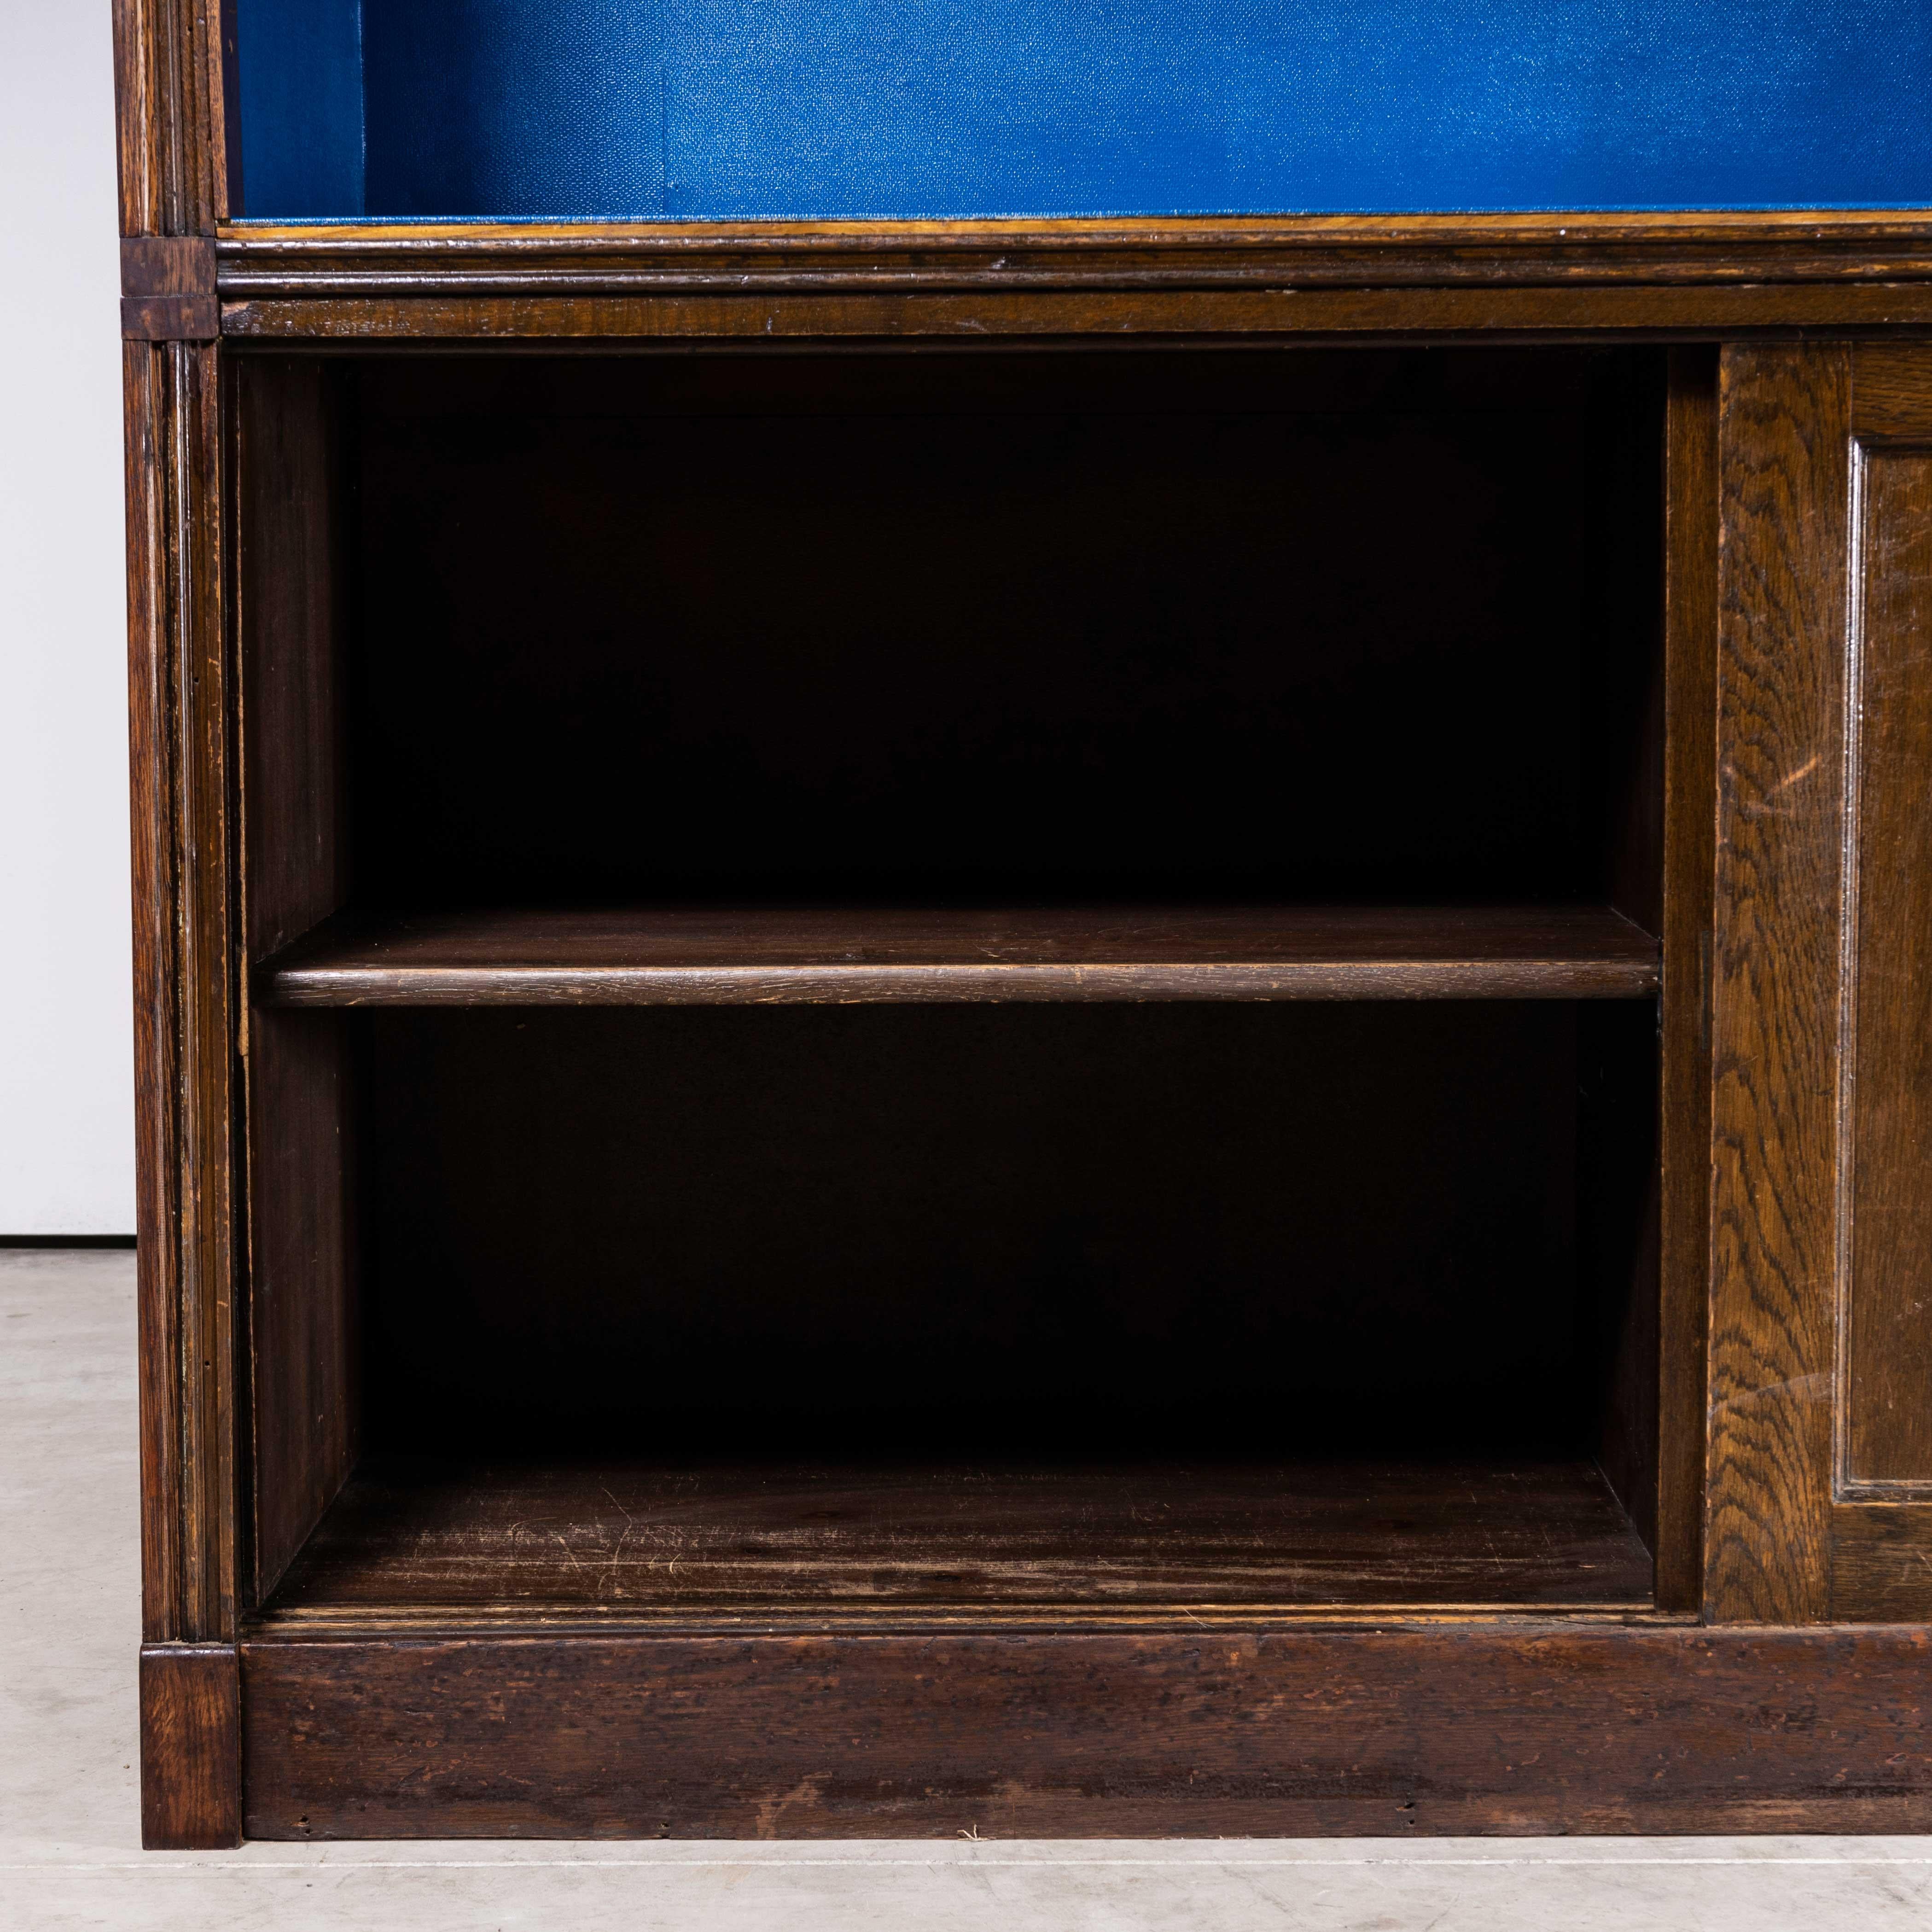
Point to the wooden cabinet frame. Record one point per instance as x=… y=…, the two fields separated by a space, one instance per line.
x=1779 y=1684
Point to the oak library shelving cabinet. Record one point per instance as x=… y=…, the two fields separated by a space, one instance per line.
x=984 y=988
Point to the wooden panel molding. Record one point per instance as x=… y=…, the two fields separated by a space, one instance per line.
x=1819 y=1501
x=1311 y=313
x=186 y=982
x=261 y=261
x=1885 y=1149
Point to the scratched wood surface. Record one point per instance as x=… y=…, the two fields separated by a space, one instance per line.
x=754 y=1538
x=1784 y=428
x=1501 y=1726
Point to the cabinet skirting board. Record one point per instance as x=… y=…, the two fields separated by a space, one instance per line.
x=1216 y=1729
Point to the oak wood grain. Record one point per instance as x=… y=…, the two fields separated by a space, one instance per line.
x=1782 y=461
x=187 y=956
x=1511 y=1726
x=1881 y=1557
x=151 y=689
x=171 y=124
x=781 y=954
x=758 y=1539
x=190 y=1747
x=1891 y=398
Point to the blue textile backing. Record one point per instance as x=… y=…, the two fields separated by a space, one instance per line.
x=737 y=110
x=302 y=105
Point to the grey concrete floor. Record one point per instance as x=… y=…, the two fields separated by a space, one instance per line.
x=70 y=1837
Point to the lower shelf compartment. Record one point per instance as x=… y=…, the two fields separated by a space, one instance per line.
x=413 y=1535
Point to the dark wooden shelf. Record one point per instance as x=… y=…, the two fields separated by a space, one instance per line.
x=416 y=1537
x=777 y=955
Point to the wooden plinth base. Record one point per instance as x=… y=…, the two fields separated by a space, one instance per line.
x=190 y=1747
x=1213 y=1730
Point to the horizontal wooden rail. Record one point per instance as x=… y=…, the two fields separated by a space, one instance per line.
x=784 y=955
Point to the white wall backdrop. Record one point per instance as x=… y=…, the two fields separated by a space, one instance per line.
x=67 y=1163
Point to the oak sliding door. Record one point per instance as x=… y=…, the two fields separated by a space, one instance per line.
x=1820 y=1499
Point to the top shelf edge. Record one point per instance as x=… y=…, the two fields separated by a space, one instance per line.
x=1685 y=275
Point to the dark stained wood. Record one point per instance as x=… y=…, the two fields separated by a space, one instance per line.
x=291 y=609
x=941 y=1666
x=1891 y=399
x=305 y=1343
x=156 y=1045
x=1374 y=251
x=169 y=318
x=1507 y=1727
x=1624 y=681
x=1689 y=869
x=167 y=265
x=1784 y=421
x=190 y=1748
x=1881 y=1559
x=185 y=981
x=783 y=954
x=1617 y=1249
x=1622 y=691
x=1887 y=1340
x=169 y=118
x=752 y=1539
x=1284 y=312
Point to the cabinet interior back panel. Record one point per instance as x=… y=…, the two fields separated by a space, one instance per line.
x=723 y=109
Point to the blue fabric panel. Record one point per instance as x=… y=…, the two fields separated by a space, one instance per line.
x=553 y=107
x=301 y=63
x=743 y=108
